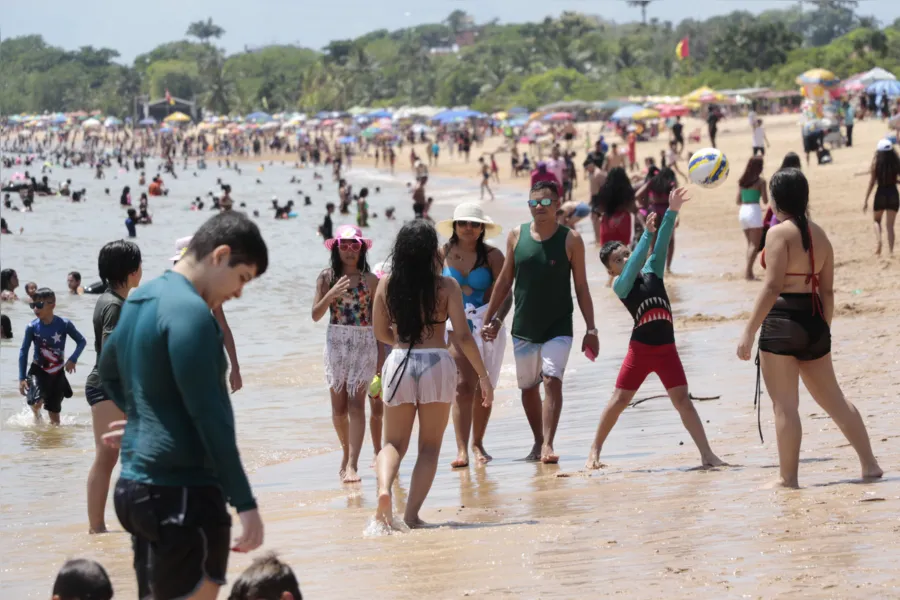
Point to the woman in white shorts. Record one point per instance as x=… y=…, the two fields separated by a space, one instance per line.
x=752 y=196
x=412 y=306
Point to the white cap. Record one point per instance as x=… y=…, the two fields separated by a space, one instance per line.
x=181 y=246
x=885 y=145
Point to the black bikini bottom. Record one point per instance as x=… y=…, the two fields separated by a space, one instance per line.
x=794 y=328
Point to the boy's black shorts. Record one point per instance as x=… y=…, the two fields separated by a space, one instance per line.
x=181 y=536
x=49 y=388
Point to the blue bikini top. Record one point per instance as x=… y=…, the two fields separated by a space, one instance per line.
x=479 y=280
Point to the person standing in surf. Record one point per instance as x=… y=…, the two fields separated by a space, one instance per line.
x=652 y=348
x=119 y=265
x=345 y=291
x=543 y=258
x=412 y=306
x=475 y=266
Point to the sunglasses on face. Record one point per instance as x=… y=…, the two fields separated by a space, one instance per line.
x=351 y=245
x=472 y=224
x=542 y=202
x=38 y=305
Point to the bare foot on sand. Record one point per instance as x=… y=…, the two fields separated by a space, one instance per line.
x=350 y=475
x=95 y=530
x=781 y=484
x=481 y=455
x=593 y=462
x=462 y=459
x=415 y=523
x=712 y=460
x=385 y=511
x=872 y=471
x=548 y=456
x=535 y=454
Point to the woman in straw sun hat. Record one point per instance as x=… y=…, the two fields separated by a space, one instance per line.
x=345 y=291
x=475 y=266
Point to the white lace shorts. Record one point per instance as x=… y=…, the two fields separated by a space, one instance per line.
x=418 y=376
x=350 y=357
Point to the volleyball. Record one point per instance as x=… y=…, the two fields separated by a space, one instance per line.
x=708 y=168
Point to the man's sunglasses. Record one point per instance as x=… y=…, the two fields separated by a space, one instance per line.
x=351 y=245
x=37 y=305
x=542 y=202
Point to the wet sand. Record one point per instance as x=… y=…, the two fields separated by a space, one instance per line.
x=647 y=526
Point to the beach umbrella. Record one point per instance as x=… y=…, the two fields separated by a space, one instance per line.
x=559 y=116
x=111 y=122
x=711 y=98
x=90 y=123
x=58 y=118
x=165 y=130
x=822 y=77
x=177 y=117
x=647 y=113
x=269 y=126
x=147 y=121
x=674 y=110
x=626 y=112
x=347 y=140
x=259 y=117
x=887 y=87
x=380 y=114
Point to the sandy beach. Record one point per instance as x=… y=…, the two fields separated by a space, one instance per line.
x=647 y=526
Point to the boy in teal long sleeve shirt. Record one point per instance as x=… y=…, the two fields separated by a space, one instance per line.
x=639 y=285
x=164 y=367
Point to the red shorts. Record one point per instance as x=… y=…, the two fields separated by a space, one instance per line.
x=643 y=359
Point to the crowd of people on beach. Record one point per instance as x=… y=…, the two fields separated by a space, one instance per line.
x=421 y=337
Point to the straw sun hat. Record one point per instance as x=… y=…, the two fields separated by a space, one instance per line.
x=470 y=211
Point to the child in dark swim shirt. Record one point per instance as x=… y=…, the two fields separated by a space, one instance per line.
x=652 y=347
x=44 y=383
x=131 y=223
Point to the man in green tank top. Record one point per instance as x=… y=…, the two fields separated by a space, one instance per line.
x=541 y=257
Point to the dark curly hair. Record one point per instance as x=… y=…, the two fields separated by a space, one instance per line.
x=615 y=194
x=412 y=290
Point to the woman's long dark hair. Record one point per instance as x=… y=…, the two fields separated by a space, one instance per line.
x=663 y=182
x=481 y=249
x=791 y=161
x=337 y=265
x=752 y=172
x=790 y=194
x=412 y=291
x=615 y=194
x=6 y=276
x=887 y=167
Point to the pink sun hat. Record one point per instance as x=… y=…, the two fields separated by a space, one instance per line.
x=348 y=232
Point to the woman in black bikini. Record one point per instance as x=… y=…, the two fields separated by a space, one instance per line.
x=795 y=308
x=885 y=172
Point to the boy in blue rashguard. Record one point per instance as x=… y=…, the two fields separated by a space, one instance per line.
x=44 y=384
x=639 y=285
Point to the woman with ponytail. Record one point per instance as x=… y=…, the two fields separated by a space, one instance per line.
x=794 y=309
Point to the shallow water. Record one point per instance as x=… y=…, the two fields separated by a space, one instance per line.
x=512 y=529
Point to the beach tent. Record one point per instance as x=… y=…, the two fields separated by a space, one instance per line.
x=177 y=117
x=876 y=74
x=887 y=87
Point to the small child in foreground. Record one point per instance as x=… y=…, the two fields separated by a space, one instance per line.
x=266 y=579
x=82 y=579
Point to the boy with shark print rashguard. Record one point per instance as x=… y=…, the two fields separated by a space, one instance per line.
x=652 y=347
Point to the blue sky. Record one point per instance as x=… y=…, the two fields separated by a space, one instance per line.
x=132 y=30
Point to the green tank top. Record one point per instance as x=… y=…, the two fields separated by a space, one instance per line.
x=750 y=195
x=543 y=290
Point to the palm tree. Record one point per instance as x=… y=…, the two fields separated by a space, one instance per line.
x=205 y=30
x=643 y=4
x=221 y=90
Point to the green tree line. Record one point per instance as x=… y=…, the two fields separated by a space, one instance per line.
x=573 y=56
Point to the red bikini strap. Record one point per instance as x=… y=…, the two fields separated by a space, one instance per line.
x=813 y=278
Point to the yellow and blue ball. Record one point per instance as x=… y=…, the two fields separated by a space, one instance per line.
x=708 y=168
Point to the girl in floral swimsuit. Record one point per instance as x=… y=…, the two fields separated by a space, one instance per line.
x=345 y=291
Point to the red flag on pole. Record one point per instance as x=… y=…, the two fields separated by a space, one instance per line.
x=169 y=97
x=682 y=49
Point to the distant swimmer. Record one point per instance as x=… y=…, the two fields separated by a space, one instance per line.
x=639 y=285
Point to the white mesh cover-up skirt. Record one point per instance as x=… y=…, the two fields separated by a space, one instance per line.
x=350 y=357
x=418 y=376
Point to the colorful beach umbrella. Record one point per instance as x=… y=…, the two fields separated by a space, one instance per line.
x=177 y=117
x=626 y=112
x=822 y=77
x=647 y=113
x=148 y=121
x=887 y=87
x=559 y=116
